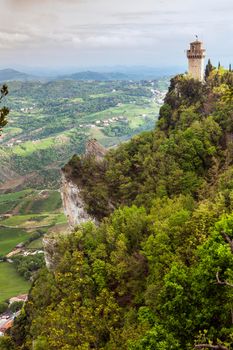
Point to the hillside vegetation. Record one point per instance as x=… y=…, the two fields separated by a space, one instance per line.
x=156 y=274
x=51 y=121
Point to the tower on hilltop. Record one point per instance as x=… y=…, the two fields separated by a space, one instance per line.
x=196 y=57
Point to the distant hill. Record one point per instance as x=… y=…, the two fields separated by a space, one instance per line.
x=89 y=75
x=12 y=74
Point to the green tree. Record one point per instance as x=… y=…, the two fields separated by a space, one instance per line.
x=6 y=343
x=40 y=343
x=209 y=68
x=3 y=307
x=156 y=272
x=4 y=111
x=16 y=306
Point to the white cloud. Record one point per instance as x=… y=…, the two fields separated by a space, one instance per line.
x=10 y=40
x=155 y=29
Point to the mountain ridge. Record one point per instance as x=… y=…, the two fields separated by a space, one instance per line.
x=9 y=74
x=96 y=76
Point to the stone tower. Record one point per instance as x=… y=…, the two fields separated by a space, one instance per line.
x=196 y=57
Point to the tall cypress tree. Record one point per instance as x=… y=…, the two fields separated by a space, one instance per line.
x=208 y=69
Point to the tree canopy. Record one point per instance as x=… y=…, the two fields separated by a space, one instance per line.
x=156 y=273
x=4 y=111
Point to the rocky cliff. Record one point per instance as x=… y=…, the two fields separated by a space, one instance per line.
x=73 y=204
x=93 y=148
x=50 y=251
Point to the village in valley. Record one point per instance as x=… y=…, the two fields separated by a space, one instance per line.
x=7 y=318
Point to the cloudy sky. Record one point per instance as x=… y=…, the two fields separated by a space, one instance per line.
x=81 y=33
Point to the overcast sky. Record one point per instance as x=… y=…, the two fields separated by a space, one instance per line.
x=80 y=33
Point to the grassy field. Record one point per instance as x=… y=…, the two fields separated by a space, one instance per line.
x=11 y=283
x=130 y=111
x=30 y=147
x=106 y=141
x=12 y=197
x=10 y=237
x=31 y=211
x=38 y=220
x=37 y=244
x=41 y=202
x=30 y=202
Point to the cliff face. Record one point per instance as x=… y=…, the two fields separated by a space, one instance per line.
x=93 y=148
x=74 y=209
x=50 y=251
x=73 y=204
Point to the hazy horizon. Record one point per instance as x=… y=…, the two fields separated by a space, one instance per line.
x=142 y=71
x=80 y=34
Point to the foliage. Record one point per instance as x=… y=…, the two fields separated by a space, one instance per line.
x=6 y=343
x=27 y=266
x=3 y=307
x=190 y=140
x=16 y=306
x=156 y=273
x=4 y=111
x=208 y=69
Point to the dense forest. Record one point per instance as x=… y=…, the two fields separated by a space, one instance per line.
x=156 y=273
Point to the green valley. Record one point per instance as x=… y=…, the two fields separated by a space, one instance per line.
x=27 y=215
x=49 y=122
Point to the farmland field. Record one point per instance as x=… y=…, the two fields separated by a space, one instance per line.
x=11 y=283
x=25 y=215
x=10 y=237
x=49 y=122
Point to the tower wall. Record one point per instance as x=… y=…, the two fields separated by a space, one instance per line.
x=196 y=57
x=196 y=68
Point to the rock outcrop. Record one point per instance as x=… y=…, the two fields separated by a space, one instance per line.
x=73 y=204
x=50 y=252
x=93 y=148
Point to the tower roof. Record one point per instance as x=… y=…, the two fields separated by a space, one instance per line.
x=196 y=50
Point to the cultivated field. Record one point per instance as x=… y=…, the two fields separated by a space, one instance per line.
x=26 y=215
x=11 y=283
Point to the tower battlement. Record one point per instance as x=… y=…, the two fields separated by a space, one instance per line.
x=196 y=57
